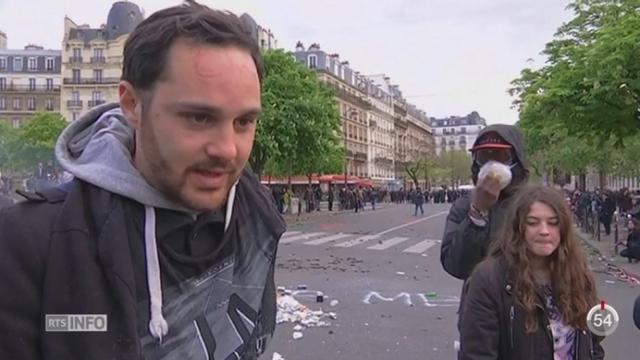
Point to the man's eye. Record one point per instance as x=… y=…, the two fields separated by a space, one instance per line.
x=243 y=122
x=198 y=118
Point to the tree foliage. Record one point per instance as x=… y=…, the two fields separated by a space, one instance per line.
x=299 y=130
x=21 y=149
x=580 y=109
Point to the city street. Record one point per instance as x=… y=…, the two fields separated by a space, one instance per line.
x=394 y=300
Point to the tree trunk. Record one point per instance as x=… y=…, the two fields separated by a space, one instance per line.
x=602 y=179
x=582 y=181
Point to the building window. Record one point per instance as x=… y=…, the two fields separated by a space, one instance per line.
x=75 y=96
x=76 y=76
x=3 y=84
x=75 y=116
x=77 y=55
x=96 y=99
x=49 y=84
x=17 y=63
x=97 y=76
x=16 y=123
x=463 y=130
x=3 y=63
x=48 y=104
x=313 y=61
x=98 y=56
x=33 y=64
x=31 y=103
x=50 y=64
x=32 y=84
x=16 y=104
x=3 y=103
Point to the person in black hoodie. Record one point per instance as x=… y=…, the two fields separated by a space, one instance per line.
x=162 y=229
x=474 y=218
x=632 y=251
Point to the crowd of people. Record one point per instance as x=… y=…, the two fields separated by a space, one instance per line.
x=356 y=197
x=594 y=211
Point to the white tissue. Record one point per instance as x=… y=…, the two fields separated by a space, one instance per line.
x=500 y=169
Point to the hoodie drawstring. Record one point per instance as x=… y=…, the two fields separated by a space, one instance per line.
x=157 y=324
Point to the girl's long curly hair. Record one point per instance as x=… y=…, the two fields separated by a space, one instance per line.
x=571 y=279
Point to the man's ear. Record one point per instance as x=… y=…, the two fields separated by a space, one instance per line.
x=131 y=104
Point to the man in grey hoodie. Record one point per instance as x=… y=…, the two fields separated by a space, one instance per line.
x=161 y=229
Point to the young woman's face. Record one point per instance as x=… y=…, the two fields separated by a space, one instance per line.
x=543 y=230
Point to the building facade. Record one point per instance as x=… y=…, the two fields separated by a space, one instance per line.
x=92 y=59
x=29 y=83
x=379 y=133
x=3 y=41
x=457 y=132
x=263 y=36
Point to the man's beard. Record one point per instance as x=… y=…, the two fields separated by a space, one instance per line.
x=167 y=179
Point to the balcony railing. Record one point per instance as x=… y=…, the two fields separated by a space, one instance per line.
x=75 y=59
x=361 y=156
x=27 y=88
x=93 y=103
x=98 y=59
x=74 y=104
x=93 y=81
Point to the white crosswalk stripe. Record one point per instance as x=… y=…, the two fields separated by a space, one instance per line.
x=388 y=243
x=291 y=239
x=421 y=247
x=347 y=240
x=327 y=239
x=291 y=233
x=354 y=242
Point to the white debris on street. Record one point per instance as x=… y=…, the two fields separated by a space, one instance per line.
x=292 y=311
x=277 y=356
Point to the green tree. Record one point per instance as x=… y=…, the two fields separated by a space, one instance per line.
x=299 y=130
x=591 y=82
x=23 y=148
x=9 y=142
x=43 y=129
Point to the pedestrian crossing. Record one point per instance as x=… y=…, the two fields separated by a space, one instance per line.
x=369 y=242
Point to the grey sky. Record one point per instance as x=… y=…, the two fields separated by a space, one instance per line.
x=449 y=57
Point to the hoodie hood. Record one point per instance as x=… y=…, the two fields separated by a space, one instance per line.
x=98 y=148
x=513 y=136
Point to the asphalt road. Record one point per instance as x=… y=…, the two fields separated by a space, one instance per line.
x=394 y=300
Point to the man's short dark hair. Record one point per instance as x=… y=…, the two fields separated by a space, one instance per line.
x=147 y=48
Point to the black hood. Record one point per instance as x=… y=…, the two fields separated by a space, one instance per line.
x=513 y=136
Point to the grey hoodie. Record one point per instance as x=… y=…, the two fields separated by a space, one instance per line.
x=97 y=148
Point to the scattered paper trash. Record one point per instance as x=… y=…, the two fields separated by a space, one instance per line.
x=277 y=356
x=456 y=345
x=290 y=310
x=400 y=273
x=610 y=281
x=432 y=294
x=334 y=302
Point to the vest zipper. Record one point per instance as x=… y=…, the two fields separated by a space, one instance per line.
x=511 y=317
